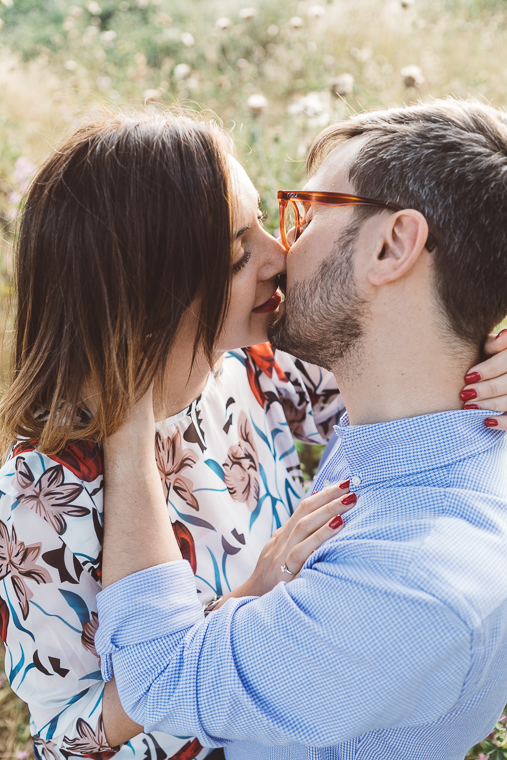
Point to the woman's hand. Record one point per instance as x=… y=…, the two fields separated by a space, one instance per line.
x=315 y=520
x=487 y=382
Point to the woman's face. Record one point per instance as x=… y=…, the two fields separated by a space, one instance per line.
x=257 y=261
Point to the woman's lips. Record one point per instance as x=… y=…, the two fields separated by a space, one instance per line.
x=270 y=305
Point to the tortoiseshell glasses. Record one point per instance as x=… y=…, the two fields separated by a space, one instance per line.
x=292 y=211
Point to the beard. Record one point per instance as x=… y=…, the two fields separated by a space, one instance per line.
x=323 y=319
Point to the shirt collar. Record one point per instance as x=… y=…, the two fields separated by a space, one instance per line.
x=392 y=449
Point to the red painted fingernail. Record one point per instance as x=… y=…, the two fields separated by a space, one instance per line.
x=472 y=377
x=336 y=522
x=344 y=484
x=468 y=394
x=501 y=333
x=351 y=498
x=491 y=422
x=471 y=406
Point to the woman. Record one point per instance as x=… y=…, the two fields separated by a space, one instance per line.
x=125 y=278
x=125 y=275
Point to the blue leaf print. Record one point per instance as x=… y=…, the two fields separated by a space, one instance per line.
x=263 y=476
x=288 y=489
x=260 y=433
x=278 y=522
x=224 y=560
x=77 y=604
x=218 y=582
x=255 y=514
x=15 y=670
x=286 y=453
x=14 y=616
x=217 y=469
x=198 y=521
x=96 y=676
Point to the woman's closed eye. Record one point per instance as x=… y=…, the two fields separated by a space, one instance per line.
x=238 y=266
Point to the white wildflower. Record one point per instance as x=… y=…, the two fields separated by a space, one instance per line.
x=93 y=8
x=68 y=24
x=70 y=65
x=296 y=22
x=153 y=94
x=412 y=76
x=181 y=71
x=75 y=11
x=342 y=85
x=242 y=63
x=7 y=3
x=223 y=23
x=273 y=30
x=108 y=36
x=407 y=3
x=257 y=103
x=247 y=14
x=315 y=11
x=187 y=39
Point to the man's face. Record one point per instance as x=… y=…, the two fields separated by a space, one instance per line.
x=323 y=315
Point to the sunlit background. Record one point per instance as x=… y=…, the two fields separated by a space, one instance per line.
x=274 y=71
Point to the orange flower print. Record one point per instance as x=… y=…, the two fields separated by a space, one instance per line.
x=242 y=467
x=172 y=459
x=19 y=560
x=49 y=497
x=263 y=360
x=90 y=743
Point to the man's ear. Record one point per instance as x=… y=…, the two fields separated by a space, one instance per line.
x=404 y=236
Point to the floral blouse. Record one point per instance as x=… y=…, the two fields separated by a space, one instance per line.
x=231 y=476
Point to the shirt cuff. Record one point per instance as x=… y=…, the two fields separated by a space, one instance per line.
x=147 y=605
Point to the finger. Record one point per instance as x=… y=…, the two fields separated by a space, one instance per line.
x=496 y=404
x=496 y=365
x=313 y=521
x=485 y=391
x=317 y=500
x=496 y=343
x=496 y=423
x=299 y=553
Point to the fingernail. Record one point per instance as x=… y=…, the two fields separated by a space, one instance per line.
x=491 y=422
x=501 y=333
x=349 y=499
x=336 y=522
x=468 y=394
x=344 y=484
x=472 y=377
x=471 y=406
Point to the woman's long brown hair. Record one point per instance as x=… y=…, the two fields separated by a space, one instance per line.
x=124 y=226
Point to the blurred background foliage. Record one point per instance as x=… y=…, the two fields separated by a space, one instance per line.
x=274 y=72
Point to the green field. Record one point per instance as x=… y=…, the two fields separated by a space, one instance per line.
x=275 y=73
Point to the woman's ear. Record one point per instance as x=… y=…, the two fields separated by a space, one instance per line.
x=404 y=236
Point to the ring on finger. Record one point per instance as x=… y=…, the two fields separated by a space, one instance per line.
x=285 y=569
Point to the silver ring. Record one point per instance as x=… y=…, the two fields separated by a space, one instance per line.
x=285 y=569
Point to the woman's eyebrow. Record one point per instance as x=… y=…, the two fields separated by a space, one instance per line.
x=241 y=232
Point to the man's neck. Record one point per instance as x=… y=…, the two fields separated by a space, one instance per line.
x=408 y=375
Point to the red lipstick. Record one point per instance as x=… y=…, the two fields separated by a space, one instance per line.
x=270 y=305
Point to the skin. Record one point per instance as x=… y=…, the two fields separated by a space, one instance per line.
x=383 y=381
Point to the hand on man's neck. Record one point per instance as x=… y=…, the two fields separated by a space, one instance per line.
x=407 y=365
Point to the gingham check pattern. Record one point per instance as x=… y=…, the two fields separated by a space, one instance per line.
x=392 y=645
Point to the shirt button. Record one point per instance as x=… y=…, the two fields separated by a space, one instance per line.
x=356 y=480
x=327 y=483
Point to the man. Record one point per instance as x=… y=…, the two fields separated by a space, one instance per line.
x=392 y=644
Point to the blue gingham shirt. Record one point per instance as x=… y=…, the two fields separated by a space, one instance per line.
x=392 y=644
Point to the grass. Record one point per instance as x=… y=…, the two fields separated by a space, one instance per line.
x=61 y=59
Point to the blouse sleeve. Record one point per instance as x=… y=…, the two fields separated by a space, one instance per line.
x=308 y=394
x=49 y=578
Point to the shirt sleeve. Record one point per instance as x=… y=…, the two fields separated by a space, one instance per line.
x=48 y=604
x=317 y=661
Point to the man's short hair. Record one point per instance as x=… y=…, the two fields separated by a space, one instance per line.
x=448 y=160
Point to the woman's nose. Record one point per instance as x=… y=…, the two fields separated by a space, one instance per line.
x=275 y=258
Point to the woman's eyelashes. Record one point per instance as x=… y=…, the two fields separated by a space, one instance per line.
x=238 y=266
